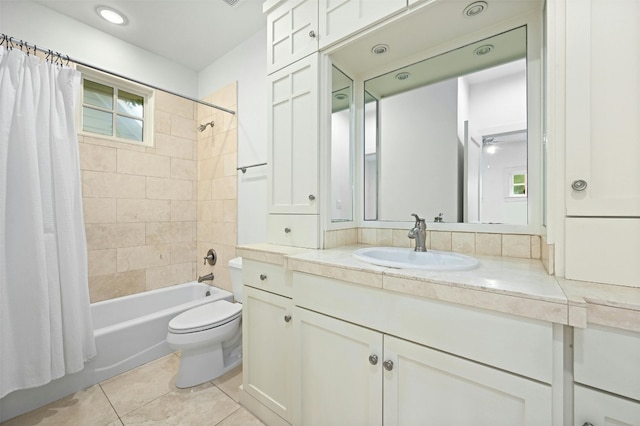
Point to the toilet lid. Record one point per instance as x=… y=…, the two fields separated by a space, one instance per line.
x=205 y=317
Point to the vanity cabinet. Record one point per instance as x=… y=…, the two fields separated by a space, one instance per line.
x=606 y=376
x=293 y=154
x=292 y=28
x=267 y=339
x=354 y=375
x=602 y=153
x=338 y=20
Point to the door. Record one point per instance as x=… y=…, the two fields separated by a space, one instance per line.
x=429 y=387
x=293 y=138
x=339 y=369
x=602 y=108
x=268 y=345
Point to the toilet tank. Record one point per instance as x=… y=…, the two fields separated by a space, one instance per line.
x=235 y=269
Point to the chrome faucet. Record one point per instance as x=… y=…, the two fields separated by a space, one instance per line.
x=208 y=277
x=419 y=233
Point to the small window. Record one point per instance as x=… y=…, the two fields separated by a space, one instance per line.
x=518 y=184
x=116 y=109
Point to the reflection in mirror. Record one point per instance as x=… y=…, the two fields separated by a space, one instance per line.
x=450 y=136
x=341 y=151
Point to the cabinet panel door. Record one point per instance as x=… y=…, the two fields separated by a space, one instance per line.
x=431 y=387
x=291 y=30
x=602 y=108
x=267 y=341
x=339 y=19
x=602 y=409
x=338 y=384
x=297 y=230
x=293 y=138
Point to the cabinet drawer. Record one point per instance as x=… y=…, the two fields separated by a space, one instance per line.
x=266 y=276
x=600 y=408
x=294 y=230
x=608 y=358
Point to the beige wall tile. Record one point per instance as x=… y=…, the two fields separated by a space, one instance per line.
x=139 y=163
x=230 y=162
x=206 y=168
x=112 y=185
x=172 y=146
x=536 y=249
x=183 y=127
x=463 y=242
x=224 y=188
x=230 y=211
x=347 y=237
x=103 y=236
x=169 y=232
x=142 y=257
x=330 y=239
x=183 y=169
x=169 y=189
x=109 y=286
x=185 y=252
x=205 y=231
x=97 y=158
x=110 y=143
x=161 y=122
x=174 y=105
x=163 y=276
x=400 y=238
x=367 y=236
x=183 y=211
x=144 y=210
x=211 y=210
x=225 y=97
x=204 y=190
x=384 y=237
x=488 y=244
x=101 y=262
x=516 y=245
x=99 y=210
x=225 y=143
x=441 y=240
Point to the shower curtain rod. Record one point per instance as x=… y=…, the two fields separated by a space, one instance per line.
x=12 y=43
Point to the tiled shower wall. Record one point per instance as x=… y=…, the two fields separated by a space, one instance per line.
x=141 y=205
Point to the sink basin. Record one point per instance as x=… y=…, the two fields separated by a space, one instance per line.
x=397 y=257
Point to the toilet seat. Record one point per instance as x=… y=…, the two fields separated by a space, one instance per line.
x=205 y=317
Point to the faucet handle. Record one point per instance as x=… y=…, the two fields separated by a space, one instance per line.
x=417 y=217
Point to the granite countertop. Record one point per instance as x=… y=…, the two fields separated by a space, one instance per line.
x=510 y=285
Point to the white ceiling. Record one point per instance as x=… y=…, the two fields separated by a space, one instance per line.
x=193 y=33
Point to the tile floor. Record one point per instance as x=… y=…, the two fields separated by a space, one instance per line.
x=147 y=395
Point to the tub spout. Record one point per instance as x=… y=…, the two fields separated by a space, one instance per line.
x=208 y=277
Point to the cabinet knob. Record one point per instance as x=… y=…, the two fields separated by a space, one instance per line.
x=388 y=365
x=287 y=230
x=587 y=424
x=263 y=277
x=373 y=359
x=312 y=34
x=287 y=318
x=312 y=197
x=579 y=185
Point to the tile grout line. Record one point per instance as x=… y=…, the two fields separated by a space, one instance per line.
x=112 y=407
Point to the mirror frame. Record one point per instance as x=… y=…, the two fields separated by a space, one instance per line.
x=533 y=22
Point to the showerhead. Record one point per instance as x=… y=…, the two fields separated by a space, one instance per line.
x=204 y=126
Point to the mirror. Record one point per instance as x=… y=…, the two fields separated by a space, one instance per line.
x=341 y=147
x=447 y=137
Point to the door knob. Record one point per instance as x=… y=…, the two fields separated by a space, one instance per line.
x=312 y=197
x=579 y=185
x=312 y=34
x=388 y=365
x=287 y=230
x=373 y=359
x=287 y=318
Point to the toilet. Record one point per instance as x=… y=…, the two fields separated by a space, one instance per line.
x=209 y=336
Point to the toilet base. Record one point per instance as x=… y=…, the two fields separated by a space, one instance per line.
x=200 y=366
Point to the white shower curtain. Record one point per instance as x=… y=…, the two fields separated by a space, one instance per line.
x=45 y=320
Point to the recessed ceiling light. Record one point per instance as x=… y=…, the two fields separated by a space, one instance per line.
x=484 y=49
x=475 y=9
x=403 y=75
x=379 y=49
x=111 y=15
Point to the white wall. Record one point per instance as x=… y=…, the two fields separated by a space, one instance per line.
x=36 y=24
x=247 y=64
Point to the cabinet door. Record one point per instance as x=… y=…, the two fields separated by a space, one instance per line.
x=339 y=385
x=602 y=108
x=267 y=347
x=430 y=387
x=293 y=138
x=603 y=409
x=291 y=32
x=342 y=18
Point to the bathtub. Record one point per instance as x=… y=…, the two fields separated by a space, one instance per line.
x=129 y=331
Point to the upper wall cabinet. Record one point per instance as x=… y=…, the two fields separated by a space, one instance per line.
x=292 y=28
x=293 y=138
x=341 y=18
x=602 y=108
